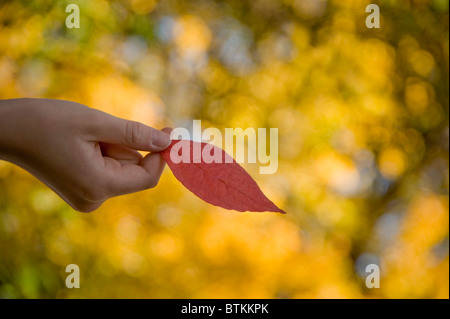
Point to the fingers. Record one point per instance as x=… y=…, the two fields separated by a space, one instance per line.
x=122 y=168
x=121 y=153
x=126 y=176
x=167 y=130
x=135 y=135
x=131 y=175
x=130 y=178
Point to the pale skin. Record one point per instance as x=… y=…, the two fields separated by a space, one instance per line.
x=86 y=156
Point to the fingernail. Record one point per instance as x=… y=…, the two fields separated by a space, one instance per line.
x=167 y=130
x=161 y=139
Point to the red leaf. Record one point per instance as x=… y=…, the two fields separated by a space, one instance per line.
x=225 y=184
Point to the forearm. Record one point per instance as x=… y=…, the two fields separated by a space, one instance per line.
x=16 y=128
x=5 y=128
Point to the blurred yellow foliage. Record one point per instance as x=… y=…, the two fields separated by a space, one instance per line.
x=363 y=144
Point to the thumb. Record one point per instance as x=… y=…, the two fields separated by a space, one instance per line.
x=135 y=135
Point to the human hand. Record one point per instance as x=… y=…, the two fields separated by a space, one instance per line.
x=86 y=156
